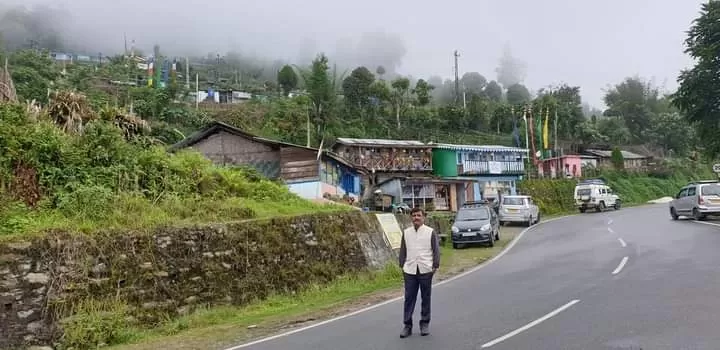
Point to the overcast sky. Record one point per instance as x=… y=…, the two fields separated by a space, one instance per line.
x=587 y=43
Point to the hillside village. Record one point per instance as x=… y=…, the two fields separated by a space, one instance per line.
x=382 y=174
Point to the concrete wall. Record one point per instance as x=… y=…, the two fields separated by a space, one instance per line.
x=169 y=271
x=308 y=190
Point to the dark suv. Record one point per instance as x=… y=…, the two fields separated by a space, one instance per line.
x=475 y=222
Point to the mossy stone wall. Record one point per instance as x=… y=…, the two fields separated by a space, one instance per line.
x=170 y=270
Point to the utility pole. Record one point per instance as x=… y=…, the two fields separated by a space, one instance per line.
x=457 y=79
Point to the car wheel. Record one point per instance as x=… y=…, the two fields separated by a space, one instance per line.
x=673 y=214
x=456 y=246
x=617 y=205
x=582 y=210
x=492 y=242
x=600 y=207
x=697 y=216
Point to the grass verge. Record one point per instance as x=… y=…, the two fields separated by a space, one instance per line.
x=220 y=327
x=132 y=212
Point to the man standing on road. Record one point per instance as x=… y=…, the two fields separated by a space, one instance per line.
x=419 y=259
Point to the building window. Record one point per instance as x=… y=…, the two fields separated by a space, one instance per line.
x=418 y=195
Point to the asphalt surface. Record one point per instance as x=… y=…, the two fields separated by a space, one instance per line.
x=563 y=286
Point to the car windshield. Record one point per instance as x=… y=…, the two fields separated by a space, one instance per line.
x=583 y=192
x=710 y=190
x=472 y=214
x=513 y=201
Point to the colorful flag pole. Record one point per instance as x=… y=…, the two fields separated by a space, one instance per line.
x=546 y=138
x=527 y=139
x=538 y=129
x=532 y=135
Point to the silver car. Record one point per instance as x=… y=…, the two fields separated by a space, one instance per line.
x=697 y=200
x=519 y=209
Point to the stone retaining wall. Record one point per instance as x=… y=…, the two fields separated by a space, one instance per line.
x=168 y=271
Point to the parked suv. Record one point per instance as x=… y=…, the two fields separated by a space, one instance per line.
x=519 y=209
x=697 y=200
x=595 y=194
x=475 y=222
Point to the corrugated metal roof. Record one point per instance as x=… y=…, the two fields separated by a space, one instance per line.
x=380 y=142
x=608 y=154
x=479 y=148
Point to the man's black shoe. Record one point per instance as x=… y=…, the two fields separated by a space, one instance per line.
x=406 y=332
x=424 y=329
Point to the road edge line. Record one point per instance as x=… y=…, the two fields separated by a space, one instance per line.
x=383 y=303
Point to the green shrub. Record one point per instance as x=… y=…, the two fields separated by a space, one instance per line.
x=555 y=196
x=96 y=323
x=98 y=179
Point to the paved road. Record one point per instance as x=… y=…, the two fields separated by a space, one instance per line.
x=628 y=279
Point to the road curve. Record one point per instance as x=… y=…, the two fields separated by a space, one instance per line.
x=627 y=279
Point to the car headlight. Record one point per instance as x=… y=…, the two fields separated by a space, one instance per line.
x=485 y=227
x=455 y=229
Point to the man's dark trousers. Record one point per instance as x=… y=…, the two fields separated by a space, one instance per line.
x=412 y=284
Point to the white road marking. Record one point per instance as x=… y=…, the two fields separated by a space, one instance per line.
x=507 y=249
x=610 y=230
x=622 y=242
x=610 y=222
x=620 y=267
x=531 y=324
x=706 y=223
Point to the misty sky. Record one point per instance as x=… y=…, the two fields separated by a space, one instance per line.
x=586 y=43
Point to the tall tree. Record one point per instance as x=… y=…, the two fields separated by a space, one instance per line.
x=517 y=94
x=287 y=79
x=357 y=91
x=494 y=91
x=400 y=96
x=473 y=82
x=697 y=96
x=636 y=102
x=422 y=92
x=321 y=87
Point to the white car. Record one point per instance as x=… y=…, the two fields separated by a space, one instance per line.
x=519 y=209
x=595 y=194
x=697 y=200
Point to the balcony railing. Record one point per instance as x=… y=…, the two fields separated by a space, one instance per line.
x=491 y=167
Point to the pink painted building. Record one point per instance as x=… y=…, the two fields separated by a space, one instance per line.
x=565 y=166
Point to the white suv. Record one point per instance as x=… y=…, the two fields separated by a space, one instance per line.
x=697 y=200
x=595 y=194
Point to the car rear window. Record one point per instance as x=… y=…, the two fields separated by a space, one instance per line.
x=584 y=192
x=513 y=201
x=709 y=190
x=481 y=213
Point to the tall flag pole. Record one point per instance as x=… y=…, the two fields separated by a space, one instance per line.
x=546 y=138
x=538 y=130
x=527 y=139
x=555 y=144
x=532 y=135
